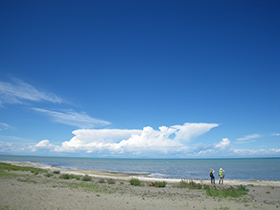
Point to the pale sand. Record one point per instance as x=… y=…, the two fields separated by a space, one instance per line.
x=28 y=191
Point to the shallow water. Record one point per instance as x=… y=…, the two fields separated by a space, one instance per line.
x=235 y=168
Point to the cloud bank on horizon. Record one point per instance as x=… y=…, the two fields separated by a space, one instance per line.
x=173 y=141
x=133 y=142
x=166 y=142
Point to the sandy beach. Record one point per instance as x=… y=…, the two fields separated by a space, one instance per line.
x=26 y=190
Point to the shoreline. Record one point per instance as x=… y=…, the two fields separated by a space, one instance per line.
x=141 y=176
x=28 y=191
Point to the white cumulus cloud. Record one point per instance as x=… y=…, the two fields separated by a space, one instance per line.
x=134 y=141
x=223 y=144
x=44 y=144
x=190 y=130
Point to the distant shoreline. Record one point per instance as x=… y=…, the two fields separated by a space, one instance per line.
x=131 y=158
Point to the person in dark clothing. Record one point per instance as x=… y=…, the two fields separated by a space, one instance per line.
x=212 y=176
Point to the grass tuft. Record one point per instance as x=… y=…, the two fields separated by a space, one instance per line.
x=101 y=181
x=157 y=184
x=69 y=176
x=48 y=174
x=111 y=181
x=190 y=185
x=86 y=178
x=9 y=167
x=91 y=187
x=135 y=182
x=64 y=176
x=230 y=192
x=160 y=184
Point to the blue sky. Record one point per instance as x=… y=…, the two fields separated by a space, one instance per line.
x=167 y=79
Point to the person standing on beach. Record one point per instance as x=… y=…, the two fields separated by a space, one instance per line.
x=221 y=175
x=212 y=176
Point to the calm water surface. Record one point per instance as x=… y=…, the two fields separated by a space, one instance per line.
x=236 y=168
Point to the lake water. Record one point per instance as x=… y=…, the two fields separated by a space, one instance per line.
x=235 y=168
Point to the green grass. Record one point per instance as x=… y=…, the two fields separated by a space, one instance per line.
x=224 y=208
x=64 y=176
x=101 y=181
x=135 y=182
x=231 y=192
x=48 y=174
x=111 y=181
x=160 y=184
x=190 y=185
x=157 y=184
x=56 y=172
x=91 y=187
x=69 y=176
x=86 y=178
x=9 y=167
x=4 y=173
x=182 y=184
x=27 y=180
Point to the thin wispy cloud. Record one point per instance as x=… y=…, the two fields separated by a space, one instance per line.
x=19 y=92
x=275 y=134
x=4 y=126
x=249 y=137
x=70 y=117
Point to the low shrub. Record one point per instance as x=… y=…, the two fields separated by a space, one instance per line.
x=193 y=185
x=49 y=174
x=56 y=172
x=86 y=178
x=64 y=176
x=135 y=182
x=182 y=184
x=160 y=184
x=190 y=185
x=101 y=180
x=230 y=192
x=111 y=181
x=242 y=188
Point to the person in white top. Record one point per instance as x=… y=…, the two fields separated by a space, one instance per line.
x=221 y=175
